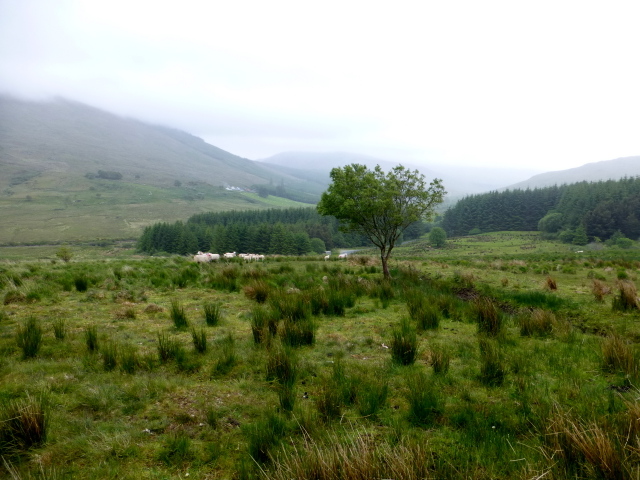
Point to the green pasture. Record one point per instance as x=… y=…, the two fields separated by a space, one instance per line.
x=36 y=211
x=484 y=360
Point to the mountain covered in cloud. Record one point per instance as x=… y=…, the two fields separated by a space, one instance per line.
x=590 y=172
x=458 y=181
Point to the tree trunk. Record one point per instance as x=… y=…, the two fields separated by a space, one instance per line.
x=384 y=257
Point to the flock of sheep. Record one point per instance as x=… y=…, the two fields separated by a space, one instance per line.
x=214 y=257
x=207 y=257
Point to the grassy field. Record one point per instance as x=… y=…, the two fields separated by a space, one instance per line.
x=499 y=357
x=35 y=212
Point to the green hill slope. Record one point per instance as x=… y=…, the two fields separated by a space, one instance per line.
x=51 y=154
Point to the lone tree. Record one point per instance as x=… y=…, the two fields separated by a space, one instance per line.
x=380 y=206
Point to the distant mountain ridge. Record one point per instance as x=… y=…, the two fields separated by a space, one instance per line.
x=590 y=172
x=457 y=181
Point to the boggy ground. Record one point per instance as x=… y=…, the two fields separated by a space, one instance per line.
x=503 y=364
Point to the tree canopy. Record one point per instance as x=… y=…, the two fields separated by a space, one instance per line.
x=380 y=205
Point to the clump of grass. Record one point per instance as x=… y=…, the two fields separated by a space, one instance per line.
x=488 y=316
x=618 y=356
x=426 y=315
x=289 y=306
x=199 y=338
x=264 y=435
x=493 y=368
x=287 y=397
x=550 y=283
x=425 y=399
x=212 y=313
x=91 y=338
x=282 y=365
x=627 y=298
x=24 y=424
x=81 y=283
x=384 y=292
x=14 y=296
x=257 y=290
x=372 y=393
x=440 y=358
x=29 y=338
x=176 y=449
x=582 y=449
x=227 y=357
x=59 y=329
x=404 y=344
x=178 y=315
x=298 y=333
x=337 y=301
x=109 y=356
x=169 y=348
x=129 y=313
x=328 y=401
x=354 y=457
x=538 y=322
x=599 y=289
x=263 y=325
x=129 y=360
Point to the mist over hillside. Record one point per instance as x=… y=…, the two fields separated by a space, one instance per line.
x=590 y=172
x=458 y=181
x=69 y=171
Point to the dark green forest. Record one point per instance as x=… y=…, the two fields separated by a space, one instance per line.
x=291 y=231
x=576 y=213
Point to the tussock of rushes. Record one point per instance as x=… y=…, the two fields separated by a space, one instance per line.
x=23 y=424
x=91 y=338
x=439 y=359
x=550 y=283
x=404 y=344
x=426 y=315
x=539 y=322
x=600 y=289
x=493 y=368
x=257 y=290
x=129 y=361
x=199 y=338
x=178 y=315
x=282 y=365
x=168 y=348
x=110 y=356
x=212 y=314
x=59 y=329
x=425 y=399
x=627 y=298
x=359 y=456
x=585 y=450
x=488 y=315
x=226 y=356
x=618 y=356
x=29 y=338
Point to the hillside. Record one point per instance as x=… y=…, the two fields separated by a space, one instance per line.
x=49 y=149
x=590 y=172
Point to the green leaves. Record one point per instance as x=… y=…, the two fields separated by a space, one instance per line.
x=380 y=205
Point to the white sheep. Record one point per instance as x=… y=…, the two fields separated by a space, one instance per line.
x=326 y=257
x=202 y=258
x=342 y=255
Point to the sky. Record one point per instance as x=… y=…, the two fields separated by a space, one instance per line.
x=541 y=85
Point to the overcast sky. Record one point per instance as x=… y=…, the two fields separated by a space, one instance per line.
x=544 y=85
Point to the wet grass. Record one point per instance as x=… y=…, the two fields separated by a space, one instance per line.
x=533 y=382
